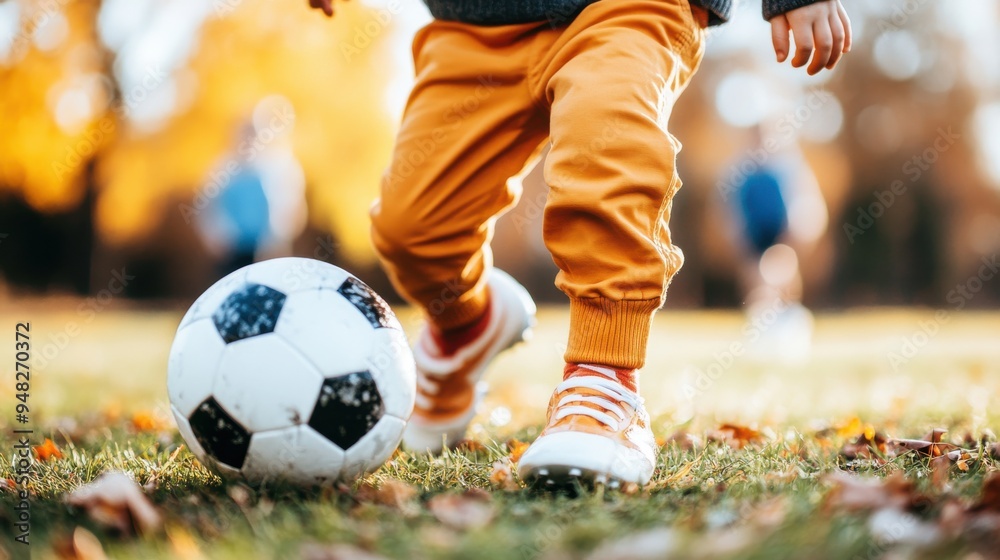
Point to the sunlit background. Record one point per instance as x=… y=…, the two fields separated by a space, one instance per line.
x=123 y=119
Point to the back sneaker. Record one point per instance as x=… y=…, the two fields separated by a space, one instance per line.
x=449 y=386
x=597 y=432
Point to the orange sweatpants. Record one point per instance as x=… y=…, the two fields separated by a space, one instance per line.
x=485 y=101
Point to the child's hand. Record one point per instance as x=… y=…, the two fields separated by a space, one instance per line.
x=325 y=5
x=822 y=27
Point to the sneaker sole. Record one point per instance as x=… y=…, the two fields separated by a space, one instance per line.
x=568 y=459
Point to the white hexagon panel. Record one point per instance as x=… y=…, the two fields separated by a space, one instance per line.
x=297 y=454
x=265 y=384
x=327 y=330
x=194 y=361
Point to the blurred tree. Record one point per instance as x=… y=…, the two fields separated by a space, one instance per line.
x=62 y=110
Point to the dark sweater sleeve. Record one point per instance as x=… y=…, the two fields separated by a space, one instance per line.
x=777 y=7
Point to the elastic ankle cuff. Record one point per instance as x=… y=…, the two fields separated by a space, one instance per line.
x=463 y=311
x=609 y=332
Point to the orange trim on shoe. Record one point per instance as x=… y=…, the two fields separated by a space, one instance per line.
x=629 y=378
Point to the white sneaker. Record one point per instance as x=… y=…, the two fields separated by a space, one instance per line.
x=597 y=432
x=449 y=387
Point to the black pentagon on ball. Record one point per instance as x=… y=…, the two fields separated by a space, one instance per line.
x=219 y=434
x=349 y=406
x=370 y=304
x=250 y=311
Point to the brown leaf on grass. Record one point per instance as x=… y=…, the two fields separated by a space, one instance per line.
x=517 y=449
x=940 y=472
x=935 y=435
x=899 y=446
x=855 y=493
x=650 y=544
x=990 y=499
x=471 y=445
x=501 y=476
x=683 y=440
x=870 y=443
x=848 y=428
x=929 y=446
x=473 y=509
x=770 y=513
x=47 y=451
x=182 y=544
x=314 y=551
x=115 y=500
x=8 y=485
x=630 y=489
x=735 y=435
x=82 y=545
x=981 y=518
x=391 y=493
x=149 y=421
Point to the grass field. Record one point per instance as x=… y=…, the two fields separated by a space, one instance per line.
x=762 y=488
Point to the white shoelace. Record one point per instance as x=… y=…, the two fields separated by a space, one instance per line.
x=609 y=387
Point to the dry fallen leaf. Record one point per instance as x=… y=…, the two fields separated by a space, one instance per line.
x=47 y=451
x=392 y=493
x=82 y=545
x=929 y=446
x=868 y=444
x=471 y=445
x=651 y=544
x=149 y=421
x=115 y=500
x=735 y=435
x=855 y=493
x=770 y=513
x=516 y=448
x=990 y=500
x=683 y=440
x=182 y=544
x=501 y=476
x=313 y=551
x=470 y=510
x=848 y=428
x=630 y=488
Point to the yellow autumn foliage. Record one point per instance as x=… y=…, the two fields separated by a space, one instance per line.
x=341 y=128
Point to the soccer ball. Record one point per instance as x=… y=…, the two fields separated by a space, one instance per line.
x=291 y=369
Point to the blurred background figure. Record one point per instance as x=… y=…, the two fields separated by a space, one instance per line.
x=236 y=222
x=776 y=211
x=256 y=204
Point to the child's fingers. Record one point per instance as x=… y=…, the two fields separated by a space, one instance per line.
x=823 y=41
x=325 y=5
x=803 y=44
x=845 y=20
x=839 y=36
x=779 y=36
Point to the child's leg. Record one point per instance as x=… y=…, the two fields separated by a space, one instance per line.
x=611 y=80
x=470 y=125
